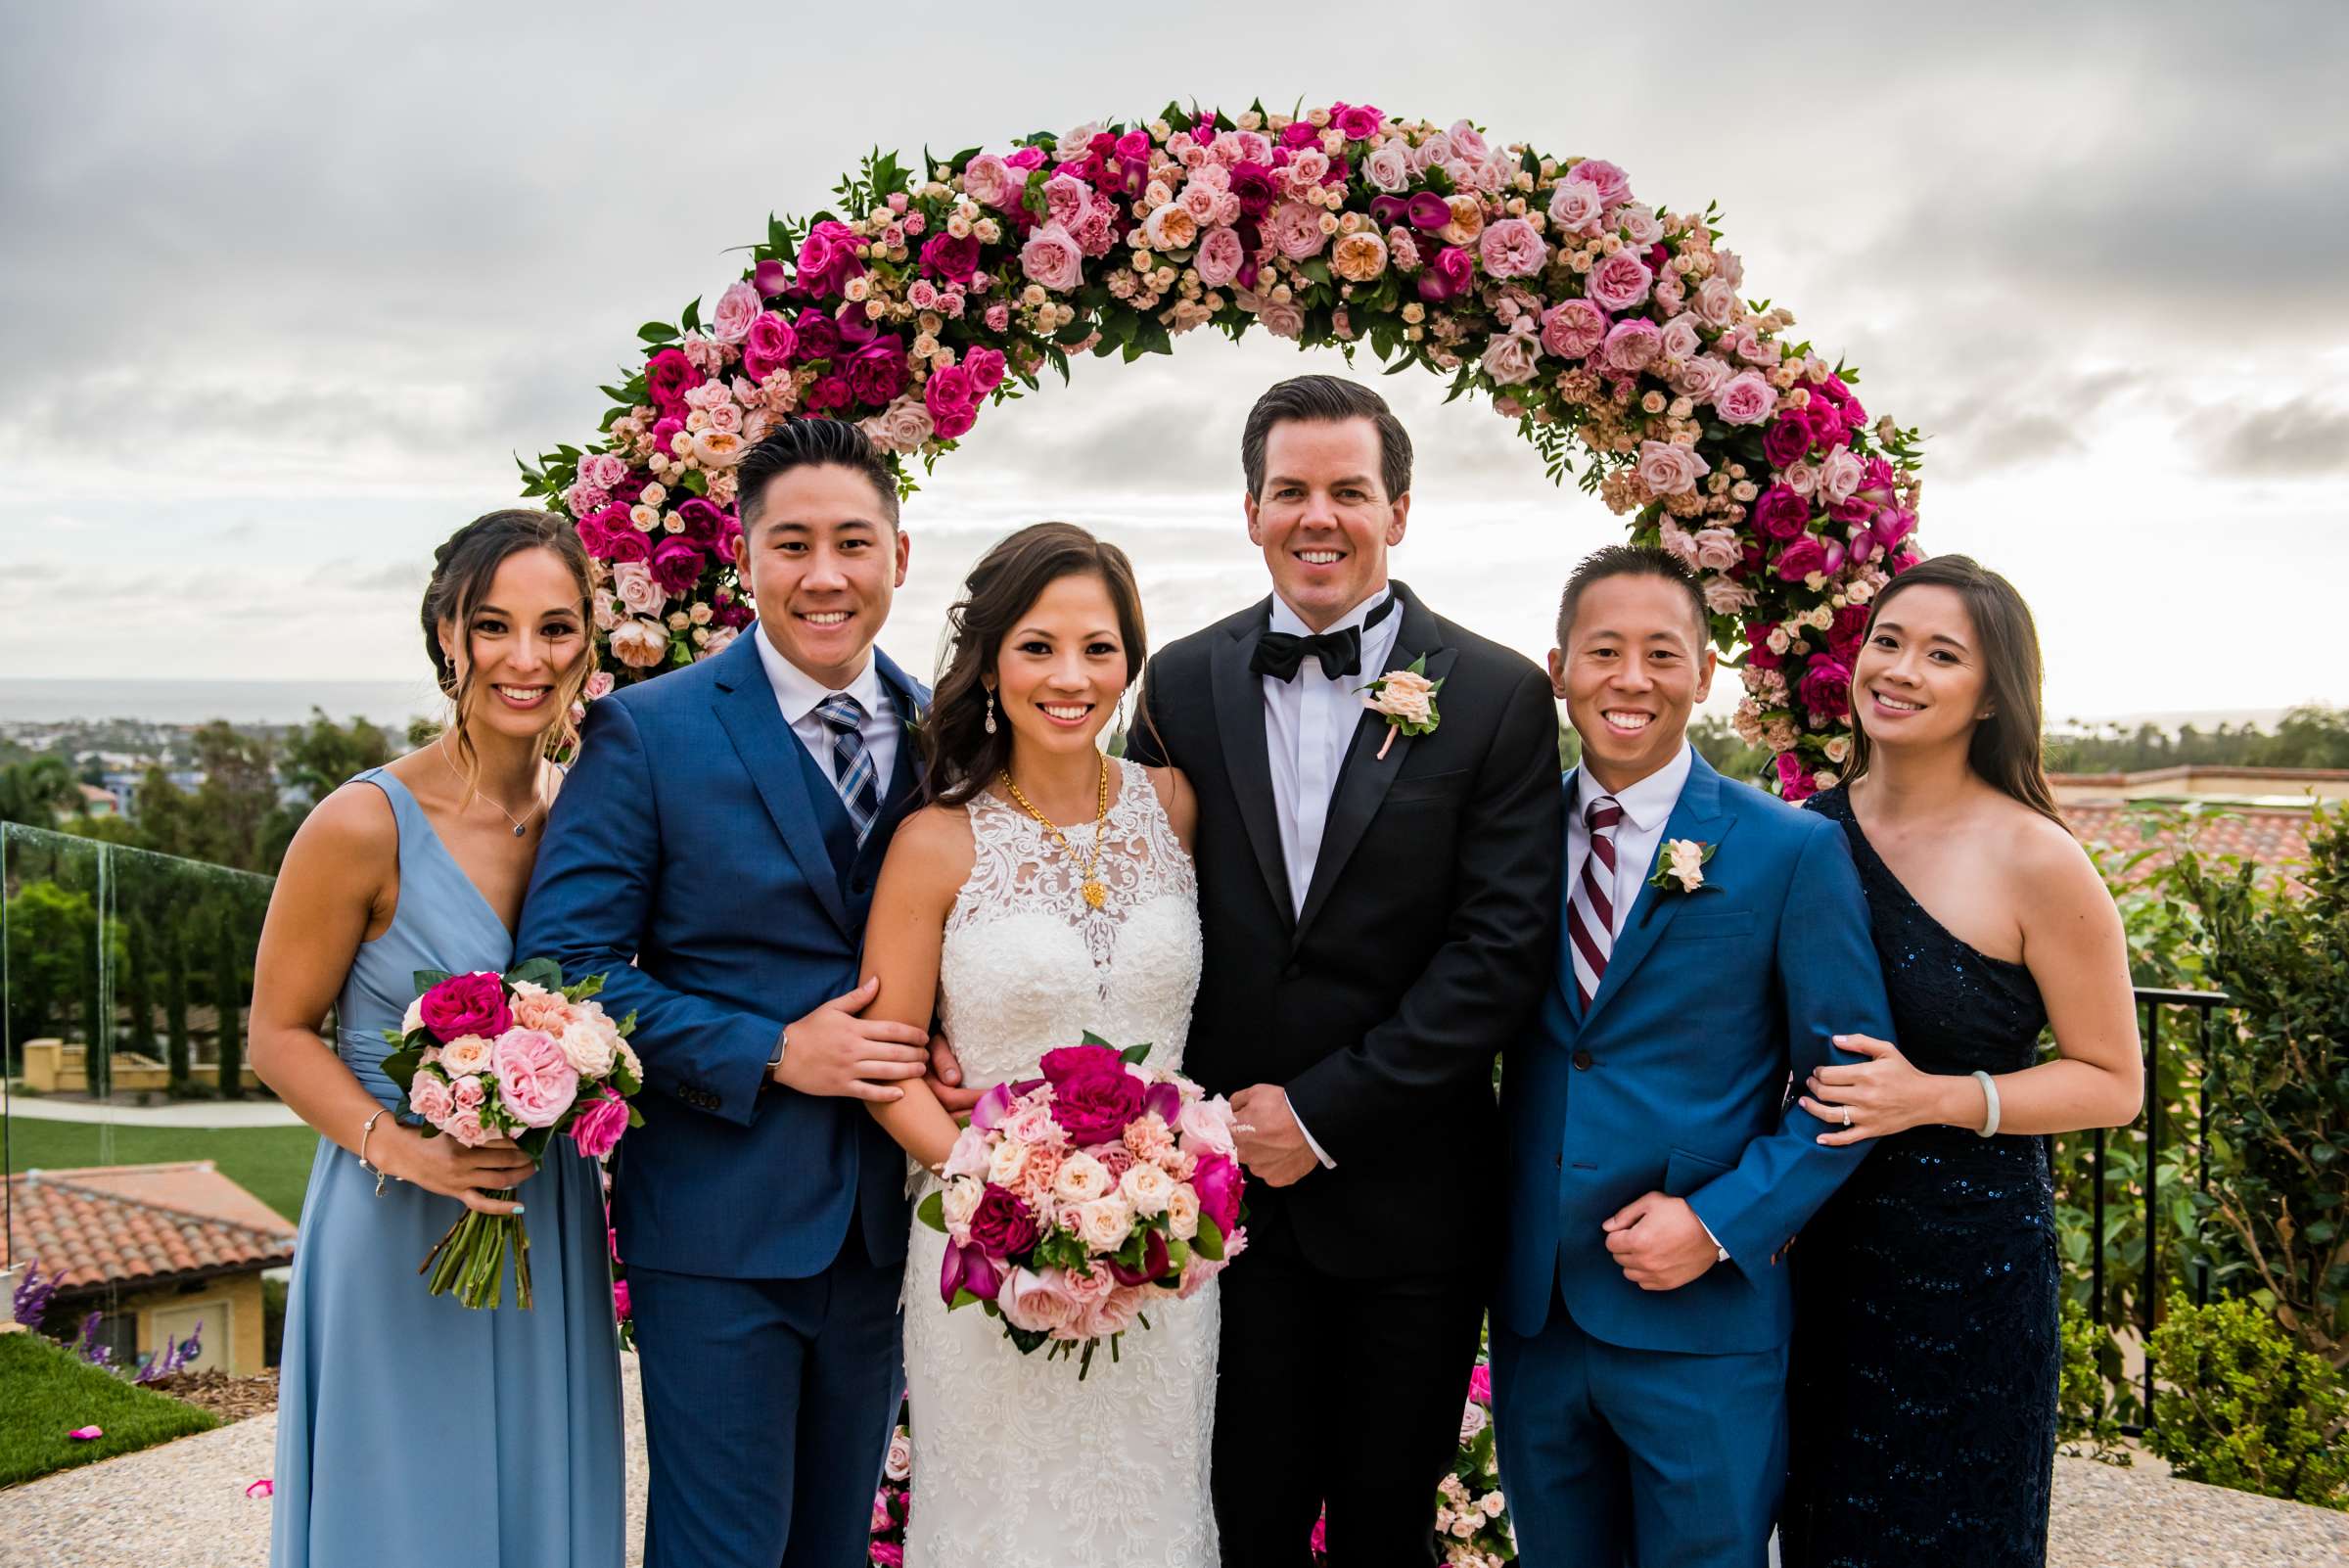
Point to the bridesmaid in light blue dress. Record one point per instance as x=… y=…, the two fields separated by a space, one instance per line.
x=411 y=1429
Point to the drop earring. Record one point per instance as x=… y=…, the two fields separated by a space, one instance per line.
x=990 y=710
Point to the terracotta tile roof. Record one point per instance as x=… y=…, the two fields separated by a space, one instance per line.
x=2266 y=835
x=136 y=1223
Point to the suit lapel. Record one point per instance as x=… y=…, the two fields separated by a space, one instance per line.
x=747 y=711
x=1364 y=777
x=1239 y=701
x=905 y=775
x=1562 y=975
x=1697 y=814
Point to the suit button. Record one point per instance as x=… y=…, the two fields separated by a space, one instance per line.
x=1582 y=1061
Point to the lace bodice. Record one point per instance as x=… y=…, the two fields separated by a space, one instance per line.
x=1026 y=962
x=1026 y=966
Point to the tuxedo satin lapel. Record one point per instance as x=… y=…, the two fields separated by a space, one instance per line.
x=747 y=712
x=1364 y=777
x=1696 y=815
x=1239 y=697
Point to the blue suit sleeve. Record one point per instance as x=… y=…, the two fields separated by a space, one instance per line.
x=597 y=876
x=1833 y=985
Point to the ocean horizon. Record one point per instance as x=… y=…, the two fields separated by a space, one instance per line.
x=390 y=703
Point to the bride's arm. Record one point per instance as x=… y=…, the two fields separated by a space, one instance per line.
x=927 y=863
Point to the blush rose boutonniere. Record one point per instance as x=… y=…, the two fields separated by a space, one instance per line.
x=1407 y=699
x=1680 y=866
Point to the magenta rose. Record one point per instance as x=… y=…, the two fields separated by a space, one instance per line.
x=704 y=521
x=829 y=393
x=676 y=565
x=827 y=260
x=954 y=258
x=1780 y=513
x=609 y=535
x=1848 y=632
x=667 y=377
x=1480 y=1384
x=1826 y=687
x=1757 y=646
x=1794 y=779
x=1069 y=1063
x=819 y=335
x=535 y=1080
x=877 y=372
x=985 y=367
x=1095 y=1108
x=953 y=408
x=1219 y=1181
x=1572 y=329
x=1449 y=273
x=1619 y=282
x=1787 y=440
x=1826 y=422
x=467 y=1005
x=1255 y=186
x=769 y=277
x=1002 y=1226
x=769 y=345
x=1800 y=558
x=1356 y=122
x=600 y=1123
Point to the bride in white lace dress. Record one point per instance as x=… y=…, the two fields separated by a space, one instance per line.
x=1047 y=891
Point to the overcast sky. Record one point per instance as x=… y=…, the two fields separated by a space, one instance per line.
x=284 y=288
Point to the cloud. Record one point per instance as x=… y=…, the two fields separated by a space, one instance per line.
x=2299 y=439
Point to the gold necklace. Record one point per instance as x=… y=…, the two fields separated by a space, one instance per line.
x=1095 y=894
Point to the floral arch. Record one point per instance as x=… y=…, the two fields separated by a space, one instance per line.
x=1611 y=331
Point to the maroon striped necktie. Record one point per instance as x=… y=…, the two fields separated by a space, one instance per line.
x=1591 y=911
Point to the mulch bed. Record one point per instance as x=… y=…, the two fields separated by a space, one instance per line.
x=232 y=1399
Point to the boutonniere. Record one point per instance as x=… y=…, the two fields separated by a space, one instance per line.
x=1680 y=866
x=1406 y=699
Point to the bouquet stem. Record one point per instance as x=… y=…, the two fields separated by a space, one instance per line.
x=468 y=1260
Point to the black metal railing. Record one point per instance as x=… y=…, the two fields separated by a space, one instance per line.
x=2152 y=1004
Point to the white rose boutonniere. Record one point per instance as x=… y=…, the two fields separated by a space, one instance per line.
x=1407 y=699
x=1680 y=866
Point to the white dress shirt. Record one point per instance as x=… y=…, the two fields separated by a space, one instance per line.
x=798 y=694
x=1647 y=809
x=1309 y=723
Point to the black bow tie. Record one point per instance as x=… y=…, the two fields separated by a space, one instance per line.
x=1280 y=654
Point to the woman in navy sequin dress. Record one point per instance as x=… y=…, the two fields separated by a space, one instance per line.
x=1925 y=1359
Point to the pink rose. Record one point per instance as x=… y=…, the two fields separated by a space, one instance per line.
x=1032 y=1122
x=1206 y=1128
x=1389 y=168
x=465 y=1125
x=1716 y=301
x=1574 y=206
x=1801 y=557
x=598 y=686
x=737 y=309
x=429 y=1097
x=768 y=342
x=603 y=470
x=467 y=1092
x=1052 y=257
x=467 y=1005
x=1682 y=340
x=953 y=404
x=1448 y=273
x=537 y=1007
x=1839 y=475
x=990 y=180
x=1356 y=122
x=1619 y=282
x=1219 y=257
x=1295 y=230
x=1670 y=470
x=1510 y=248
x=598 y=1129
x=827 y=260
x=535 y=1080
x=1572 y=329
x=1632 y=346
x=1745 y=399
x=1038 y=1304
x=1219 y=1183
x=1509 y=358
x=1700 y=378
x=1614 y=186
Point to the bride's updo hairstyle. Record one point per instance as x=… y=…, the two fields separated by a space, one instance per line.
x=962 y=757
x=463 y=569
x=2006 y=750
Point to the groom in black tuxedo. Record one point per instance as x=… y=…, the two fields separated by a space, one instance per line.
x=1380 y=916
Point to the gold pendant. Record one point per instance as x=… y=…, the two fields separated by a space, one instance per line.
x=1095 y=894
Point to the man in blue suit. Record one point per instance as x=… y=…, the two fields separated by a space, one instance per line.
x=1657 y=1171
x=713 y=854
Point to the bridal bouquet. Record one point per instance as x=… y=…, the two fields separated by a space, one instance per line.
x=1073 y=1200
x=518 y=1055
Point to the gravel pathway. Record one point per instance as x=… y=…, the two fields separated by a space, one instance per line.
x=184 y=1505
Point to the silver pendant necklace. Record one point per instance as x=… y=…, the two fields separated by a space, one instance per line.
x=522 y=824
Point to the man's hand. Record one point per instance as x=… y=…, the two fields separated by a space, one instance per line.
x=946 y=1079
x=1659 y=1243
x=1271 y=1144
x=836 y=1053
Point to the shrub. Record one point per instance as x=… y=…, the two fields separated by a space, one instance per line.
x=2280 y=1090
x=2240 y=1405
x=2086 y=1425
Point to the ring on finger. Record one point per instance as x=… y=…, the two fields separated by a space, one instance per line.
x=1847 y=1116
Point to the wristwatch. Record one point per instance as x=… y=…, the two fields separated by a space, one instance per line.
x=774 y=1063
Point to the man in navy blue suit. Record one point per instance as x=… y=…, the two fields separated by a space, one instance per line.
x=713 y=854
x=1714 y=941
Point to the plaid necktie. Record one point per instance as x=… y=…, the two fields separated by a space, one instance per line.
x=852 y=764
x=1591 y=911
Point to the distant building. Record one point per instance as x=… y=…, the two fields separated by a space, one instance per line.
x=96 y=802
x=2259 y=813
x=124 y=784
x=154 y=1249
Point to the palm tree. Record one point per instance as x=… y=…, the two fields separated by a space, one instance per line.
x=37 y=792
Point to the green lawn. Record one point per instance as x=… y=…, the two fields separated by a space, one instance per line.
x=272 y=1162
x=45 y=1394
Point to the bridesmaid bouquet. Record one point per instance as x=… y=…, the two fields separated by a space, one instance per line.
x=519 y=1055
x=1073 y=1200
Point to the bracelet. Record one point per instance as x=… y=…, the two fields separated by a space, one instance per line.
x=380 y=1175
x=1990 y=1094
